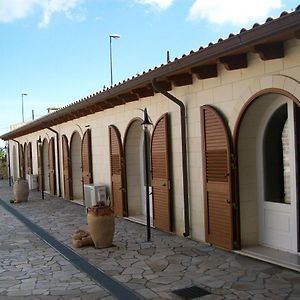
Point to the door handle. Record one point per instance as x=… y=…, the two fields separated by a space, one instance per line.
x=228 y=201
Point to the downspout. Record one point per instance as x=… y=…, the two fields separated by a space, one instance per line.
x=16 y=141
x=58 y=160
x=157 y=88
x=8 y=164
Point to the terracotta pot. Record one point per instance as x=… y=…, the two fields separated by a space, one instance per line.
x=21 y=190
x=101 y=225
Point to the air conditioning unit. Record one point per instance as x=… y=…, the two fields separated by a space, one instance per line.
x=94 y=194
x=32 y=181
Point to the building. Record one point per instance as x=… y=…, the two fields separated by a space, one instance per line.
x=224 y=145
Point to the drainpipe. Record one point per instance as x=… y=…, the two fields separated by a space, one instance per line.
x=183 y=152
x=8 y=164
x=58 y=159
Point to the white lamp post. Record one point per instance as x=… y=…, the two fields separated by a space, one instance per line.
x=23 y=94
x=112 y=36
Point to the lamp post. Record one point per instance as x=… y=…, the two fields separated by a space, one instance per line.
x=112 y=36
x=145 y=125
x=23 y=94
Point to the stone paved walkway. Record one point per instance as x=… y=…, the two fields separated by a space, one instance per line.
x=30 y=269
x=167 y=263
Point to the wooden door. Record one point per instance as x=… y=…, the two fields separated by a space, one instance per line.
x=86 y=158
x=117 y=171
x=29 y=158
x=217 y=175
x=160 y=167
x=52 y=174
x=40 y=166
x=66 y=169
x=21 y=162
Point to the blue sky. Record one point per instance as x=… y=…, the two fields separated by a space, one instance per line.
x=57 y=51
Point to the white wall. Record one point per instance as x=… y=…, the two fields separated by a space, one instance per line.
x=228 y=92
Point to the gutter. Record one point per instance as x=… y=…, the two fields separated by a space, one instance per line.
x=281 y=29
x=58 y=160
x=157 y=88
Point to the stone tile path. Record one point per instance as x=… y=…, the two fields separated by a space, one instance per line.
x=30 y=269
x=167 y=263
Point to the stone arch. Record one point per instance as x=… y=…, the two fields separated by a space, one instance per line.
x=276 y=83
x=253 y=108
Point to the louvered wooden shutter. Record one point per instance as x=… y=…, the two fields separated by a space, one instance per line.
x=40 y=167
x=161 y=175
x=52 y=175
x=117 y=170
x=86 y=156
x=21 y=162
x=29 y=158
x=66 y=168
x=217 y=179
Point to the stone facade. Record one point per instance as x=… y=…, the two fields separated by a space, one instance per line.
x=229 y=92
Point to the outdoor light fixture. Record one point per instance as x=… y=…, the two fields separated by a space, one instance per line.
x=145 y=124
x=112 y=36
x=23 y=94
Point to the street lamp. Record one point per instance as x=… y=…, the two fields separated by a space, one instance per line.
x=145 y=124
x=112 y=36
x=23 y=94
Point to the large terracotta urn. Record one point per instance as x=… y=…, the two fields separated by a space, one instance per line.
x=101 y=225
x=21 y=190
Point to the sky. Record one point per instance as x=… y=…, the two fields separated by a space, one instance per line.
x=57 y=51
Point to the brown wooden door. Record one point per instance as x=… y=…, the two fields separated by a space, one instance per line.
x=66 y=168
x=29 y=158
x=40 y=166
x=21 y=161
x=217 y=176
x=117 y=171
x=161 y=175
x=52 y=175
x=86 y=158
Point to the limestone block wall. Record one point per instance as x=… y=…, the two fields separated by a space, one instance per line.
x=228 y=92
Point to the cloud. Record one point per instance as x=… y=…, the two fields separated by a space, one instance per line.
x=236 y=12
x=158 y=4
x=11 y=10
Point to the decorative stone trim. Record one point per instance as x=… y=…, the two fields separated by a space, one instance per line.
x=262 y=86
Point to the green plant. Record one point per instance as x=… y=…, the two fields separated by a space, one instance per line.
x=2 y=153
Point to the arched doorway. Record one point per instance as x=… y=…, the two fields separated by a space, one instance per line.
x=76 y=167
x=267 y=163
x=15 y=164
x=52 y=173
x=66 y=168
x=135 y=171
x=26 y=160
x=45 y=166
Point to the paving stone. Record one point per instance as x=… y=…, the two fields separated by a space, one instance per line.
x=155 y=268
